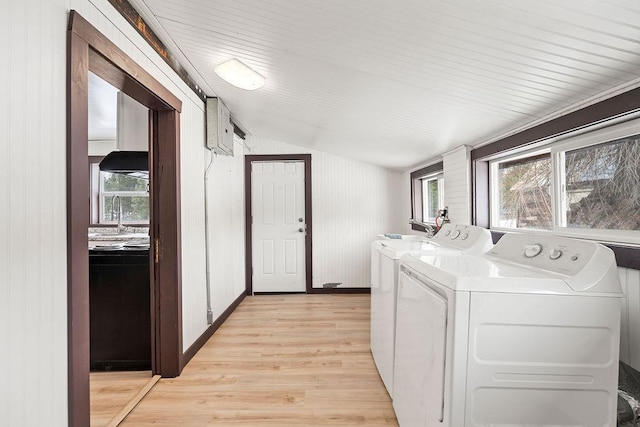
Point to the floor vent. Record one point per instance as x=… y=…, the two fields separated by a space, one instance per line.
x=331 y=285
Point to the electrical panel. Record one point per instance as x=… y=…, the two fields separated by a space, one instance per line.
x=219 y=127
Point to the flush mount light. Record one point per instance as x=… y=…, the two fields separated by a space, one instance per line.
x=240 y=75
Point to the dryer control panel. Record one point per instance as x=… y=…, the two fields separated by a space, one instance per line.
x=464 y=237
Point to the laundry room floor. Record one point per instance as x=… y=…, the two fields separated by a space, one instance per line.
x=278 y=360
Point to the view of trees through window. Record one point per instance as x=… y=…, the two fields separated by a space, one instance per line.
x=133 y=193
x=524 y=188
x=432 y=197
x=601 y=188
x=603 y=185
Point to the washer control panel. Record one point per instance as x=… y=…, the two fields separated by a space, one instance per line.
x=464 y=237
x=551 y=253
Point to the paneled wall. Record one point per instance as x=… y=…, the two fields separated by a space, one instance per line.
x=352 y=202
x=630 y=326
x=192 y=164
x=226 y=228
x=457 y=184
x=33 y=276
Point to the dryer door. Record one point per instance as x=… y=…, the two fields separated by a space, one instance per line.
x=421 y=330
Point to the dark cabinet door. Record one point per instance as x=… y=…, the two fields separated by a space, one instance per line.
x=119 y=298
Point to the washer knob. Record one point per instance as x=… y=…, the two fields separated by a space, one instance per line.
x=532 y=250
x=447 y=232
x=455 y=234
x=464 y=236
x=555 y=253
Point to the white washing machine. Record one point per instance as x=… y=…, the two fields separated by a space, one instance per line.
x=526 y=335
x=385 y=256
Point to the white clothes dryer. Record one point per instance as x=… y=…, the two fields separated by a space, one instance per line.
x=385 y=256
x=527 y=334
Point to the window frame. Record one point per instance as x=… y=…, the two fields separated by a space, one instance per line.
x=557 y=147
x=415 y=178
x=494 y=208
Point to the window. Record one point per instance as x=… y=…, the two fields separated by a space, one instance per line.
x=523 y=193
x=601 y=185
x=432 y=197
x=427 y=195
x=132 y=189
x=584 y=186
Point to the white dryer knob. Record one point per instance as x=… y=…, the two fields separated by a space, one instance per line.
x=532 y=250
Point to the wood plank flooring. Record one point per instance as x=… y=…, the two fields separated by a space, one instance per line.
x=111 y=391
x=294 y=360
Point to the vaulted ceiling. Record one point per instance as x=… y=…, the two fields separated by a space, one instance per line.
x=398 y=82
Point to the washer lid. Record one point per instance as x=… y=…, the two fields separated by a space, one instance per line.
x=394 y=249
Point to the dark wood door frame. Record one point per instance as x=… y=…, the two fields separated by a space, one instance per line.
x=306 y=158
x=89 y=50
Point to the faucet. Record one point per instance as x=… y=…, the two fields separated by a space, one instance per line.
x=113 y=205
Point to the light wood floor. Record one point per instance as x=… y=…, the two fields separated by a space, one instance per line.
x=110 y=392
x=295 y=360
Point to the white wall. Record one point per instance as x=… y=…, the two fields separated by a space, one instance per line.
x=352 y=202
x=457 y=184
x=630 y=326
x=192 y=165
x=33 y=275
x=226 y=229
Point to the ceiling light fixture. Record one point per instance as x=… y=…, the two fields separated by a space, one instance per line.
x=240 y=75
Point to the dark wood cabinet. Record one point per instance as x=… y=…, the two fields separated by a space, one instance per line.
x=119 y=298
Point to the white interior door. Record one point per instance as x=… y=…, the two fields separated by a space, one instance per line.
x=278 y=226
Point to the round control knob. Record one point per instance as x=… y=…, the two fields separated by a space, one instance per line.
x=532 y=250
x=447 y=232
x=464 y=236
x=555 y=253
x=455 y=234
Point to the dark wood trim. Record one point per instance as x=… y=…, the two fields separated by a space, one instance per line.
x=340 y=291
x=87 y=48
x=416 y=191
x=78 y=333
x=166 y=232
x=133 y=17
x=248 y=246
x=626 y=256
x=119 y=79
x=427 y=170
x=208 y=333
x=602 y=111
x=306 y=158
x=418 y=227
x=101 y=44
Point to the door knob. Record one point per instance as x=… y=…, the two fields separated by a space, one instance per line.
x=301 y=230
x=300 y=219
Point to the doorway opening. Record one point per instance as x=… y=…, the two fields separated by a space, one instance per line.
x=90 y=51
x=278 y=225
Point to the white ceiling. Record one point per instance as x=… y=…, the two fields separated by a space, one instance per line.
x=398 y=82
